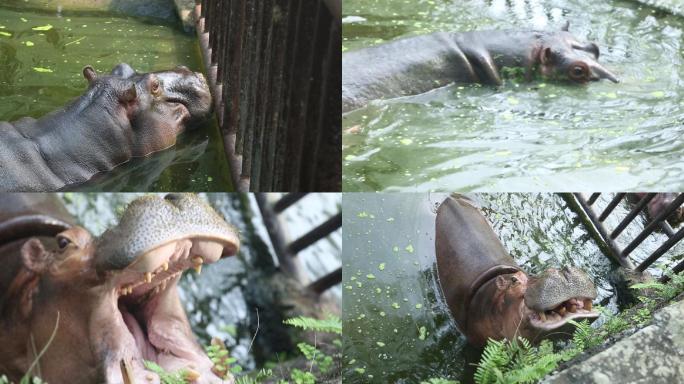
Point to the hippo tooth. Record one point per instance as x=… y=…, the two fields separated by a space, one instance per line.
x=163 y=284
x=149 y=377
x=198 y=261
x=148 y=277
x=542 y=316
x=561 y=311
x=572 y=308
x=587 y=304
x=191 y=374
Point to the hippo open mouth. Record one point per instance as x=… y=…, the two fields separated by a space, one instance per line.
x=559 y=296
x=147 y=300
x=143 y=271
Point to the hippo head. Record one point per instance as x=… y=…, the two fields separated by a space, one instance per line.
x=155 y=106
x=542 y=306
x=116 y=296
x=489 y=295
x=660 y=202
x=562 y=56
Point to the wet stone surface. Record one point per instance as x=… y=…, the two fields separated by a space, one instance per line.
x=652 y=355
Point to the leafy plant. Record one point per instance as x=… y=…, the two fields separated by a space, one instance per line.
x=331 y=324
x=439 y=381
x=515 y=361
x=166 y=377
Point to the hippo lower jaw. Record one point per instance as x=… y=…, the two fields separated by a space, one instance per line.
x=149 y=306
x=554 y=318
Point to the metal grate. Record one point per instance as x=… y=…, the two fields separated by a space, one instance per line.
x=287 y=251
x=640 y=205
x=274 y=67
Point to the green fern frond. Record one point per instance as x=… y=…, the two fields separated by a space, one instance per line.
x=331 y=324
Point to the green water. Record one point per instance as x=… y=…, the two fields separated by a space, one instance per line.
x=396 y=326
x=527 y=136
x=41 y=70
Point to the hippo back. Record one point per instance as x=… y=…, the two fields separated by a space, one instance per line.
x=469 y=254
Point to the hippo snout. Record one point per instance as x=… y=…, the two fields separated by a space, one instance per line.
x=555 y=286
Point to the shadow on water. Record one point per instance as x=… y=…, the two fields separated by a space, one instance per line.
x=223 y=301
x=396 y=325
x=42 y=53
x=524 y=136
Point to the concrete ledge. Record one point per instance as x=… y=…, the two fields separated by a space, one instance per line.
x=654 y=354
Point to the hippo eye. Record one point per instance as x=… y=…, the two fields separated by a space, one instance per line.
x=154 y=87
x=62 y=242
x=578 y=72
x=514 y=280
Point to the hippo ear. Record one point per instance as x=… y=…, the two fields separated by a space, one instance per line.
x=123 y=70
x=89 y=73
x=128 y=95
x=34 y=256
x=547 y=55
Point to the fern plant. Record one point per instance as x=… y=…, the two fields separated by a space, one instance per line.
x=331 y=324
x=166 y=377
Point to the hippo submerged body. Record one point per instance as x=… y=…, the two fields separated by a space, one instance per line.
x=121 y=116
x=487 y=293
x=111 y=301
x=419 y=64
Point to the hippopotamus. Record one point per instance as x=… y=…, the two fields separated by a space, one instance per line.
x=487 y=293
x=419 y=64
x=121 y=116
x=95 y=308
x=659 y=203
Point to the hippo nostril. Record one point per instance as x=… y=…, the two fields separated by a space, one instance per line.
x=173 y=196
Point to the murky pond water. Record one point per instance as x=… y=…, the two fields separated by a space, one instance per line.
x=396 y=325
x=41 y=71
x=528 y=136
x=222 y=301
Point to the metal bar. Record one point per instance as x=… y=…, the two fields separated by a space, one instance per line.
x=677 y=269
x=666 y=228
x=286 y=201
x=661 y=250
x=653 y=224
x=615 y=250
x=593 y=198
x=632 y=214
x=326 y=282
x=316 y=234
x=287 y=263
x=613 y=203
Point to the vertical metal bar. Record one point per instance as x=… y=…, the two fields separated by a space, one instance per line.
x=653 y=224
x=281 y=11
x=661 y=250
x=613 y=203
x=631 y=215
x=300 y=92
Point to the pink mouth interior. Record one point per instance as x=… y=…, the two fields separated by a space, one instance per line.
x=147 y=299
x=575 y=308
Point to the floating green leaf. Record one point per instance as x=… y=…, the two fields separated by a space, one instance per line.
x=43 y=28
x=42 y=70
x=2 y=33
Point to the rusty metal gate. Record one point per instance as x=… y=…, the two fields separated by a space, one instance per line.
x=640 y=205
x=286 y=250
x=274 y=67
